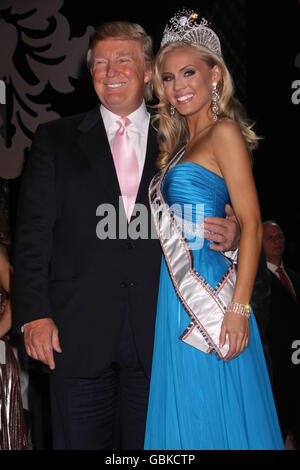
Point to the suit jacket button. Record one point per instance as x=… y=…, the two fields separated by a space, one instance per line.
x=124 y=284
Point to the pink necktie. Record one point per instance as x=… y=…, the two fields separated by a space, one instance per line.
x=127 y=167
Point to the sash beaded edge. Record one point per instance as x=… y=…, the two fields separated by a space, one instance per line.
x=205 y=306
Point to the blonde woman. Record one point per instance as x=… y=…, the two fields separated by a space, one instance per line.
x=209 y=385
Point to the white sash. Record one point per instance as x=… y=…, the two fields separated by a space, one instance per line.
x=205 y=306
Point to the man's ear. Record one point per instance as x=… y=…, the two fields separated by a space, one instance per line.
x=148 y=74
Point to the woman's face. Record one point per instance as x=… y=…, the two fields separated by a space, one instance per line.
x=188 y=81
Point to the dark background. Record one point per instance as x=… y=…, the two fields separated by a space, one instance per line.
x=260 y=47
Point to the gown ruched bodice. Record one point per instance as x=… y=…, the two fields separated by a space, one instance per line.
x=188 y=183
x=199 y=193
x=196 y=400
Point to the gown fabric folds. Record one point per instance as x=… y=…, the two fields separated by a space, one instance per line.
x=197 y=401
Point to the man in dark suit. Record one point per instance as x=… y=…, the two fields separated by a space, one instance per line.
x=86 y=292
x=283 y=331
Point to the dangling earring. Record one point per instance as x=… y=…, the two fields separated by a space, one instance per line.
x=215 y=102
x=172 y=111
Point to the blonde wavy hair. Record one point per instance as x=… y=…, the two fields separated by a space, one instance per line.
x=173 y=130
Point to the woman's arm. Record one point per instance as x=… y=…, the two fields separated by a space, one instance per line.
x=231 y=155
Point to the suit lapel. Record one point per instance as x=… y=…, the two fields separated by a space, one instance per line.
x=150 y=168
x=94 y=144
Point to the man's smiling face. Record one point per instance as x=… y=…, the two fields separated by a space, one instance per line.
x=119 y=75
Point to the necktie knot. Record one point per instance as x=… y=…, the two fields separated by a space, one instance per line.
x=123 y=123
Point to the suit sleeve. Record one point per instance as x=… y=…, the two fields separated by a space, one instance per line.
x=261 y=297
x=34 y=232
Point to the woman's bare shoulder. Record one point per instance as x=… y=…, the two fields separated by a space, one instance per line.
x=225 y=127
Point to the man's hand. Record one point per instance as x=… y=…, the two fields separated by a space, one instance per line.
x=41 y=337
x=226 y=232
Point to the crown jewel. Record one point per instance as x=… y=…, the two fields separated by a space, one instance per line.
x=183 y=27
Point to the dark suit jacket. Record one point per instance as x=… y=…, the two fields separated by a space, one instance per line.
x=260 y=299
x=284 y=324
x=282 y=331
x=62 y=269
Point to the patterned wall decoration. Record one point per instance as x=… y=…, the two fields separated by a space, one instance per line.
x=39 y=58
x=43 y=61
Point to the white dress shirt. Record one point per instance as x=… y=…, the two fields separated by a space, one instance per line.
x=137 y=130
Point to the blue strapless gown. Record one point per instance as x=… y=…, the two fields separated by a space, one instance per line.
x=197 y=401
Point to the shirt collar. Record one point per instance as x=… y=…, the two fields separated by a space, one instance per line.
x=272 y=267
x=139 y=118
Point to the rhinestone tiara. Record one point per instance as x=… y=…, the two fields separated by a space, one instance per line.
x=183 y=27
